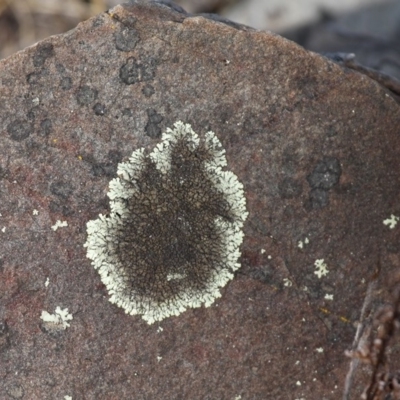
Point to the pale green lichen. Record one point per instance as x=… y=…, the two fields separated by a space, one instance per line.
x=392 y=221
x=57 y=321
x=320 y=268
x=173 y=235
x=287 y=282
x=302 y=243
x=59 y=224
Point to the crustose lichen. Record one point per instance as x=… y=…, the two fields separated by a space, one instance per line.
x=172 y=238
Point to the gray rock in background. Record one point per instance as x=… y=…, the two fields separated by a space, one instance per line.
x=281 y=15
x=316 y=147
x=371 y=33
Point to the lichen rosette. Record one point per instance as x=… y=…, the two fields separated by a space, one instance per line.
x=173 y=236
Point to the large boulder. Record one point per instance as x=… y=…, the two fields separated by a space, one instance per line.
x=317 y=148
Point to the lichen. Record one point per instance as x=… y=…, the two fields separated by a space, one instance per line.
x=302 y=243
x=320 y=268
x=392 y=221
x=172 y=238
x=57 y=321
x=59 y=224
x=287 y=282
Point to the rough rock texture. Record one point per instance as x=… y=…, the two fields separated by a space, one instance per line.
x=316 y=147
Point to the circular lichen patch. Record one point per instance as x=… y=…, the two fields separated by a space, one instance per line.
x=172 y=238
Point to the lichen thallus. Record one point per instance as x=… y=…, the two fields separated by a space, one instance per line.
x=172 y=238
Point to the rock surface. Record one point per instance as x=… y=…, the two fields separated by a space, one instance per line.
x=317 y=148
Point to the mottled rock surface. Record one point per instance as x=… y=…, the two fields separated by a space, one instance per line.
x=317 y=148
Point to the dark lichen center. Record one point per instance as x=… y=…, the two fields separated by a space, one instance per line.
x=170 y=242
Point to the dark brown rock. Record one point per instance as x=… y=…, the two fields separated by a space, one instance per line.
x=292 y=123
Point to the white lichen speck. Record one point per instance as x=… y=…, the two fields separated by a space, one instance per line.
x=392 y=221
x=320 y=268
x=59 y=224
x=58 y=320
x=302 y=243
x=287 y=282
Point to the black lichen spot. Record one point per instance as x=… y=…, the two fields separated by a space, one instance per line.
x=148 y=90
x=326 y=174
x=66 y=83
x=133 y=72
x=254 y=124
x=152 y=129
x=114 y=156
x=127 y=112
x=99 y=21
x=172 y=238
x=61 y=189
x=86 y=95
x=19 y=130
x=45 y=127
x=393 y=247
x=42 y=53
x=32 y=147
x=103 y=169
x=324 y=177
x=319 y=198
x=331 y=131
x=126 y=39
x=58 y=208
x=60 y=68
x=263 y=273
x=289 y=188
x=107 y=168
x=99 y=109
x=31 y=114
x=259 y=226
x=34 y=77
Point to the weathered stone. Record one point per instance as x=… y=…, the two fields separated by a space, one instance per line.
x=317 y=147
